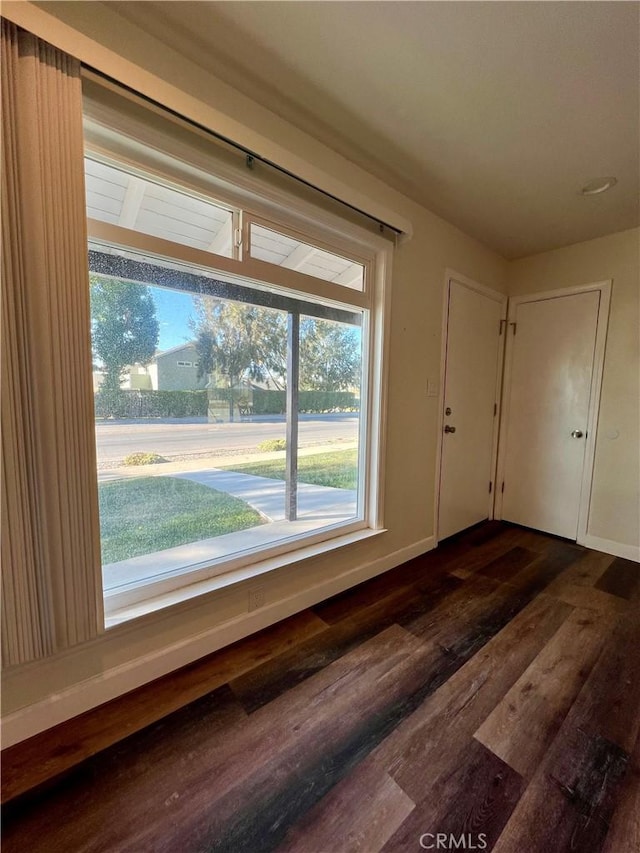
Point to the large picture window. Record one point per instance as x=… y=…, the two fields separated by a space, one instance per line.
x=235 y=393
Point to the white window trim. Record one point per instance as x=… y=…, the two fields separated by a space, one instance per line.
x=247 y=562
x=122 y=610
x=246 y=268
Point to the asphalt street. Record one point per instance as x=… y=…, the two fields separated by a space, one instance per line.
x=116 y=439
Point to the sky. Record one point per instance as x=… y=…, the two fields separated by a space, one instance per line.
x=173 y=310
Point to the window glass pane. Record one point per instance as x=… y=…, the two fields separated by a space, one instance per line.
x=128 y=200
x=329 y=404
x=285 y=251
x=190 y=376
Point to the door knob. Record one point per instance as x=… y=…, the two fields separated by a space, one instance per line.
x=576 y=433
x=449 y=428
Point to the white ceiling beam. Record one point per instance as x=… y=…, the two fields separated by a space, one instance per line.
x=221 y=243
x=352 y=275
x=299 y=257
x=131 y=204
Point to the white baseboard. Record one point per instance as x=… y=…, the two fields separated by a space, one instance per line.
x=94 y=691
x=608 y=546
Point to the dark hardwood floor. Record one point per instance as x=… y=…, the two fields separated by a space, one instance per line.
x=489 y=689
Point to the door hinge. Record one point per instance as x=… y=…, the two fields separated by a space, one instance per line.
x=490 y=486
x=502 y=322
x=495 y=409
x=502 y=489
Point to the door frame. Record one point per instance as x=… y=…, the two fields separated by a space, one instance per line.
x=452 y=275
x=604 y=287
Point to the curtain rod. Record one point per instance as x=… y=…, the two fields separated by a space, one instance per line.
x=251 y=157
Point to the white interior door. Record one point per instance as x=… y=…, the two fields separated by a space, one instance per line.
x=550 y=362
x=471 y=384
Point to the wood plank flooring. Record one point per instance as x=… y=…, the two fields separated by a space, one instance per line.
x=489 y=689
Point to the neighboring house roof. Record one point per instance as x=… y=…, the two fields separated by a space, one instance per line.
x=190 y=345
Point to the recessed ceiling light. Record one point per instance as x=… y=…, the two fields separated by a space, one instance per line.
x=598 y=185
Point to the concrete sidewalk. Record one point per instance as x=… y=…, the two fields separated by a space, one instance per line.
x=267 y=495
x=318 y=506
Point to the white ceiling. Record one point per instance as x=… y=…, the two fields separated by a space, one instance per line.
x=491 y=114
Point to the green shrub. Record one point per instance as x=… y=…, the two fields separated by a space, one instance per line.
x=272 y=444
x=110 y=403
x=143 y=459
x=274 y=402
x=151 y=404
x=190 y=404
x=327 y=401
x=268 y=402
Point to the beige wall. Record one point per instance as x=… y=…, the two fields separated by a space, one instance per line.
x=615 y=503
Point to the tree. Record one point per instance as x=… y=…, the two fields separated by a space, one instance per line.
x=329 y=355
x=124 y=327
x=238 y=341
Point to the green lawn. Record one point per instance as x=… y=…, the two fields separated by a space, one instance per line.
x=149 y=514
x=338 y=469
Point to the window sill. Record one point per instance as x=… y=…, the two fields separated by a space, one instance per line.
x=114 y=617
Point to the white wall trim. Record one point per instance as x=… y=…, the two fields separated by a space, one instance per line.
x=608 y=546
x=94 y=691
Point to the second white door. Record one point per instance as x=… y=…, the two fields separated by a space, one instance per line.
x=550 y=364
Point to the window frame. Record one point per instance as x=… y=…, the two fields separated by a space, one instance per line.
x=132 y=594
x=292 y=217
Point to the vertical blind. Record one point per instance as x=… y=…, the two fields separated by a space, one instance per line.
x=50 y=580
